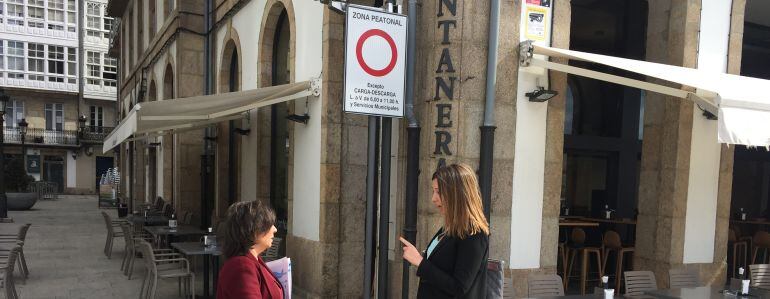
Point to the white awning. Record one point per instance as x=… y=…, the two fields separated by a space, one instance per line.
x=741 y=103
x=177 y=115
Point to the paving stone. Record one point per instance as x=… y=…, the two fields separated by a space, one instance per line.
x=64 y=254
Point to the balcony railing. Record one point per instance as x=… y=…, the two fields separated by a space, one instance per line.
x=91 y=134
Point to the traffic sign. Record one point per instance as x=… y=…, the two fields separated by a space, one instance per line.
x=375 y=62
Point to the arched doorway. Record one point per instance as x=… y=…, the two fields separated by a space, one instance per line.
x=167 y=141
x=152 y=152
x=277 y=63
x=228 y=157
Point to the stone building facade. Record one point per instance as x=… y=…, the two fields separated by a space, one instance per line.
x=314 y=173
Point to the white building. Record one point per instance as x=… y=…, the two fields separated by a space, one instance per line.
x=53 y=77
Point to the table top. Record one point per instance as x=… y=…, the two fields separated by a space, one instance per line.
x=760 y=222
x=706 y=293
x=148 y=219
x=578 y=223
x=616 y=221
x=178 y=231
x=196 y=248
x=586 y=296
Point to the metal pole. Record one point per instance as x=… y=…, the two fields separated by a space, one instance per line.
x=383 y=279
x=205 y=215
x=371 y=198
x=488 y=128
x=413 y=145
x=3 y=198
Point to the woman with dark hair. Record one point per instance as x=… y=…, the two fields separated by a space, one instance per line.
x=454 y=265
x=249 y=230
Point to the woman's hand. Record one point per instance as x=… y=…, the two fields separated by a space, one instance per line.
x=410 y=253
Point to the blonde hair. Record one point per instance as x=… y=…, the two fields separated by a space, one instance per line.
x=460 y=195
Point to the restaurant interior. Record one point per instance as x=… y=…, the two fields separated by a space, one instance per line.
x=603 y=137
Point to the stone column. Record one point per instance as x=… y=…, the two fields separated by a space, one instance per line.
x=671 y=39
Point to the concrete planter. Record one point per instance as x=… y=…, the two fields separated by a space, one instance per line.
x=21 y=201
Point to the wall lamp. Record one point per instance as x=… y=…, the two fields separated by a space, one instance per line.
x=244 y=132
x=299 y=118
x=541 y=94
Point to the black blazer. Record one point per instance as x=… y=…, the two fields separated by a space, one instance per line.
x=455 y=269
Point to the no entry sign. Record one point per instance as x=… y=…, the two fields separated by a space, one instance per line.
x=375 y=60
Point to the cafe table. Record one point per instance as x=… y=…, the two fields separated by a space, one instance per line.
x=165 y=232
x=147 y=221
x=586 y=296
x=707 y=292
x=209 y=253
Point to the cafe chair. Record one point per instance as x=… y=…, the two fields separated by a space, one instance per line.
x=168 y=268
x=739 y=249
x=637 y=282
x=132 y=239
x=611 y=243
x=683 y=278
x=761 y=241
x=18 y=239
x=111 y=234
x=544 y=285
x=577 y=245
x=760 y=275
x=9 y=257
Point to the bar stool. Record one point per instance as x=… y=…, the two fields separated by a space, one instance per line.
x=761 y=241
x=740 y=249
x=562 y=253
x=577 y=245
x=611 y=242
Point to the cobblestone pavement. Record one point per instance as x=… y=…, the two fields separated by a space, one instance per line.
x=64 y=254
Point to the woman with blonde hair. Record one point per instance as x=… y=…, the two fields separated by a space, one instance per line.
x=454 y=265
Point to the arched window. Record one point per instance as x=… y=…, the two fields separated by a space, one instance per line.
x=233 y=75
x=168 y=83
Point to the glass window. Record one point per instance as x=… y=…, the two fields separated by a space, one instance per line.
x=15 y=8
x=71 y=5
x=71 y=61
x=55 y=27
x=56 y=63
x=110 y=73
x=93 y=63
x=15 y=56
x=36 y=57
x=56 y=11
x=54 y=117
x=2 y=53
x=97 y=116
x=14 y=112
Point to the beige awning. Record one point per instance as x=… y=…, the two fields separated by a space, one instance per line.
x=177 y=115
x=742 y=104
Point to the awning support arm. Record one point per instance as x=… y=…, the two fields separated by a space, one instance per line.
x=704 y=103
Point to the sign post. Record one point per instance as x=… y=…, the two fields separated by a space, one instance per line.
x=375 y=77
x=375 y=62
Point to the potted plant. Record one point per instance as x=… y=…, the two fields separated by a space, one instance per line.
x=17 y=186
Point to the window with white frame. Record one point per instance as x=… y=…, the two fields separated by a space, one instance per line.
x=15 y=12
x=97 y=117
x=110 y=73
x=36 y=13
x=71 y=15
x=36 y=61
x=14 y=112
x=56 y=63
x=94 y=68
x=54 y=117
x=2 y=54
x=108 y=23
x=56 y=11
x=15 y=59
x=72 y=70
x=94 y=19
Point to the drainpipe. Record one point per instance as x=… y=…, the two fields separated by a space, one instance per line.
x=488 y=127
x=412 y=145
x=205 y=165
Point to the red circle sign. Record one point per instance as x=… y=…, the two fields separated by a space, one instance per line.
x=393 y=53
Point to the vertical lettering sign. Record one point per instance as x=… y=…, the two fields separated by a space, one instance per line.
x=445 y=78
x=375 y=62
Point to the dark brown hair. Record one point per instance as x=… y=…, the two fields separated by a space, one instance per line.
x=245 y=221
x=460 y=195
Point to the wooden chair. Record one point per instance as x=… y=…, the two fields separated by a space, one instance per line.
x=611 y=243
x=761 y=241
x=577 y=245
x=760 y=275
x=683 y=278
x=544 y=285
x=740 y=250
x=637 y=282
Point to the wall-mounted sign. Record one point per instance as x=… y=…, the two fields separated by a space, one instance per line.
x=537 y=22
x=375 y=62
x=33 y=164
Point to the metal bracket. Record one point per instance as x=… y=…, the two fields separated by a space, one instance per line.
x=525 y=53
x=315 y=86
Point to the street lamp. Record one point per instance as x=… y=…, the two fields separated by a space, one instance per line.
x=23 y=134
x=4 y=98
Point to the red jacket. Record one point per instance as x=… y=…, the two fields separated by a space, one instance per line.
x=246 y=277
